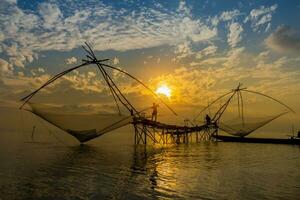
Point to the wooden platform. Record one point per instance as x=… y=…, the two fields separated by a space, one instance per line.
x=145 y=128
x=169 y=127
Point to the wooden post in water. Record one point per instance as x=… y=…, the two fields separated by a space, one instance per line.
x=135 y=134
x=145 y=134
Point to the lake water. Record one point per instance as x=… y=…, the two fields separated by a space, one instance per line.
x=115 y=169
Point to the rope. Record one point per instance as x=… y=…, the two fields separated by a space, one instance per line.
x=259 y=93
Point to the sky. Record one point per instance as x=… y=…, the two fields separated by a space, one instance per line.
x=199 y=49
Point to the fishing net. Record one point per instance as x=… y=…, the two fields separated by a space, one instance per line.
x=81 y=104
x=238 y=128
x=241 y=112
x=83 y=126
x=91 y=101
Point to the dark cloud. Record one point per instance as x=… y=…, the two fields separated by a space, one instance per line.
x=284 y=39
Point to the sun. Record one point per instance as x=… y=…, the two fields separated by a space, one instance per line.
x=164 y=90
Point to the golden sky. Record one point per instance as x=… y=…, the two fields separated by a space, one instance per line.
x=195 y=50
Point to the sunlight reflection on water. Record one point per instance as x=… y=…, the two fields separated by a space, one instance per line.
x=195 y=171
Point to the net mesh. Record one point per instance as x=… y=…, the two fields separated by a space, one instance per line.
x=243 y=112
x=84 y=105
x=241 y=129
x=83 y=126
x=116 y=90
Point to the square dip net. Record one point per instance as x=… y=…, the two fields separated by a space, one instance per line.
x=90 y=99
x=242 y=111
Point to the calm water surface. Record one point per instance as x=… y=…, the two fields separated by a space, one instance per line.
x=124 y=171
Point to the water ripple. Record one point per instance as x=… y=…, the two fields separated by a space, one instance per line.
x=195 y=171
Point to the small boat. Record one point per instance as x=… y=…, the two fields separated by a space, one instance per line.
x=292 y=140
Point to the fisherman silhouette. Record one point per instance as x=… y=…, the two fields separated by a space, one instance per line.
x=208 y=120
x=154 y=112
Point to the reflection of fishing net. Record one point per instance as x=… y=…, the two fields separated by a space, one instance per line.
x=83 y=126
x=239 y=128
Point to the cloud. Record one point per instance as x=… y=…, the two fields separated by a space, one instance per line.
x=84 y=82
x=118 y=28
x=71 y=60
x=284 y=39
x=25 y=33
x=61 y=91
x=263 y=55
x=182 y=8
x=268 y=27
x=91 y=74
x=37 y=71
x=186 y=84
x=261 y=17
x=19 y=56
x=119 y=76
x=11 y=1
x=41 y=70
x=183 y=50
x=229 y=15
x=256 y=13
x=267 y=76
x=50 y=13
x=234 y=36
x=20 y=74
x=218 y=74
x=5 y=67
x=206 y=51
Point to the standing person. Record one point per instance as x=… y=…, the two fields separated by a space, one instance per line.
x=208 y=120
x=154 y=112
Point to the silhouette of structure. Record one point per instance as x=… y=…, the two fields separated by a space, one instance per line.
x=159 y=132
x=146 y=131
x=240 y=127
